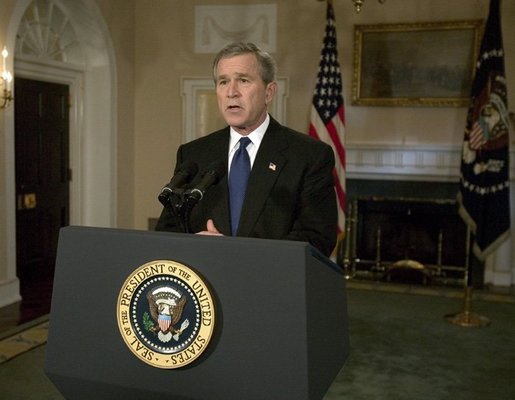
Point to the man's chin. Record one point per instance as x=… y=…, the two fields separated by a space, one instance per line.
x=237 y=123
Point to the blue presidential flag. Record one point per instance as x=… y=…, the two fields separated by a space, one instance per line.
x=484 y=199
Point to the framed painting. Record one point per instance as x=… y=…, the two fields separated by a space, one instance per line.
x=417 y=64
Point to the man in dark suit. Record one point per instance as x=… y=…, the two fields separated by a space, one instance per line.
x=290 y=191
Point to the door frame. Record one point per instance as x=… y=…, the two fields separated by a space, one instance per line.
x=9 y=289
x=73 y=78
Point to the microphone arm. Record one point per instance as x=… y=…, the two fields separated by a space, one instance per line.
x=172 y=194
x=211 y=176
x=181 y=200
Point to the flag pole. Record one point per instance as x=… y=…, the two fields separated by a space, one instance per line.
x=484 y=197
x=346 y=246
x=467 y=318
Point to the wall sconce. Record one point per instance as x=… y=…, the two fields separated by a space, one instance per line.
x=5 y=81
x=358 y=3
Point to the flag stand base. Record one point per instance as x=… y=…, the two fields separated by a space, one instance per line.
x=466 y=318
x=348 y=275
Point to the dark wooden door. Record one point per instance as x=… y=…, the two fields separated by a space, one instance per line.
x=42 y=175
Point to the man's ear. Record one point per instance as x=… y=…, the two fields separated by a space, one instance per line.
x=271 y=90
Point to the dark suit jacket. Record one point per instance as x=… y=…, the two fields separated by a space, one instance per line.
x=290 y=194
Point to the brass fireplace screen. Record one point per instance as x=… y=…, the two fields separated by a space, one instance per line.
x=392 y=238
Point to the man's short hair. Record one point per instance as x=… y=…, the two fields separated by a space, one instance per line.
x=267 y=64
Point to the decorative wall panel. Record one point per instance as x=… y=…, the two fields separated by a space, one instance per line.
x=217 y=26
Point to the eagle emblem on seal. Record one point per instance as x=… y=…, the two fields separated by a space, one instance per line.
x=166 y=305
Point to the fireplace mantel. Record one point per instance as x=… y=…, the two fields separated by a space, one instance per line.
x=406 y=162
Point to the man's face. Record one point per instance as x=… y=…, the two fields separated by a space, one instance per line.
x=242 y=95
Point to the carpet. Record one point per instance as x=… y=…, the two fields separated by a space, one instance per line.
x=401 y=348
x=23 y=339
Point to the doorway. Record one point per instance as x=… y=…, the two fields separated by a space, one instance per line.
x=42 y=185
x=93 y=122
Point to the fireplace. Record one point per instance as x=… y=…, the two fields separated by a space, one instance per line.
x=404 y=231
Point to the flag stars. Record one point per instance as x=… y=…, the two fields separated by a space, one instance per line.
x=328 y=92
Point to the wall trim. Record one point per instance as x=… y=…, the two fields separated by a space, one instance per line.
x=9 y=292
x=401 y=162
x=194 y=116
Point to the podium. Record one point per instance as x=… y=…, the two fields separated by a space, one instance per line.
x=281 y=318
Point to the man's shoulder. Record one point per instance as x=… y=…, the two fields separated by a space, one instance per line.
x=297 y=138
x=209 y=139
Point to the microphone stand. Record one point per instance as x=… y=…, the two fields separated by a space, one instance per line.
x=189 y=197
x=182 y=201
x=181 y=209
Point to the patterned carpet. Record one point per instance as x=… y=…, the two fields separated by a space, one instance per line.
x=23 y=339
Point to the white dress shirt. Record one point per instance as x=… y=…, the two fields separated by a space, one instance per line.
x=256 y=136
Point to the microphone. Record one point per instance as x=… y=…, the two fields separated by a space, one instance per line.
x=185 y=172
x=210 y=176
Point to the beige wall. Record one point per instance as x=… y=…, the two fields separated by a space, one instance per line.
x=119 y=16
x=164 y=53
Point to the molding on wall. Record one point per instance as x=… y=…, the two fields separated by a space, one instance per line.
x=9 y=292
x=404 y=162
x=217 y=26
x=199 y=119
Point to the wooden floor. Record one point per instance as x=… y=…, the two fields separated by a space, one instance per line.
x=36 y=296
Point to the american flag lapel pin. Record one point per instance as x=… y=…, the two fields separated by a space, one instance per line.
x=272 y=166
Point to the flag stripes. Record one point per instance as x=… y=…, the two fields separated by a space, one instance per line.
x=327 y=122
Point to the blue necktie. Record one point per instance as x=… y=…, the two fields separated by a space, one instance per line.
x=238 y=177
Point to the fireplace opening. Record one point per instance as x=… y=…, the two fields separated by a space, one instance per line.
x=409 y=240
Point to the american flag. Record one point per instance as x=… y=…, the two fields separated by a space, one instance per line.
x=327 y=121
x=484 y=185
x=476 y=137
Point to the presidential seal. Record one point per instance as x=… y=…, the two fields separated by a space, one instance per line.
x=165 y=314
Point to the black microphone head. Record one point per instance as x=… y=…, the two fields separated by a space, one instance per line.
x=183 y=174
x=210 y=176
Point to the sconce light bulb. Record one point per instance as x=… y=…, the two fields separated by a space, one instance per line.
x=5 y=53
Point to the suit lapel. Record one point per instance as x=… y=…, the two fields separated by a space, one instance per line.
x=221 y=190
x=268 y=164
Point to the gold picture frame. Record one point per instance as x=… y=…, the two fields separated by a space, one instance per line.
x=415 y=64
